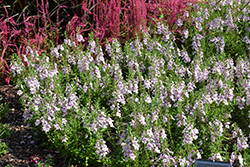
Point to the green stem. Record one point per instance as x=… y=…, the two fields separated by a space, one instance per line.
x=170 y=134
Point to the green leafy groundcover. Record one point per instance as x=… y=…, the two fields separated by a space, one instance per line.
x=4 y=128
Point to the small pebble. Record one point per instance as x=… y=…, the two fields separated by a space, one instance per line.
x=32 y=142
x=9 y=149
x=22 y=142
x=16 y=143
x=50 y=156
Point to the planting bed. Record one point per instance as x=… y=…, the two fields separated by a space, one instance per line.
x=20 y=147
x=165 y=99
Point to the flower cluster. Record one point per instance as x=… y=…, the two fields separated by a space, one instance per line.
x=190 y=134
x=35 y=159
x=101 y=148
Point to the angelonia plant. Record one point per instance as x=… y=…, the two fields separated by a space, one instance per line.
x=153 y=102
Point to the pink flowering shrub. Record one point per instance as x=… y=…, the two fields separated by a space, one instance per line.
x=119 y=19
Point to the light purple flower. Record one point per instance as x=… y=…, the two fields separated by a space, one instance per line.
x=179 y=23
x=150 y=133
x=110 y=121
x=101 y=148
x=71 y=60
x=135 y=144
x=142 y=119
x=79 y=37
x=97 y=71
x=233 y=157
x=186 y=33
x=183 y=162
x=198 y=26
x=64 y=139
x=246 y=40
x=240 y=160
x=37 y=122
x=163 y=134
x=148 y=99
x=165 y=119
x=147 y=83
x=132 y=123
x=242 y=143
x=19 y=92
x=85 y=88
x=132 y=156
x=46 y=126
x=190 y=134
x=57 y=127
x=64 y=121
x=154 y=116
x=118 y=113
